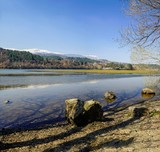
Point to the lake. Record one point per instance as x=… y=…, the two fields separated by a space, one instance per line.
x=37 y=96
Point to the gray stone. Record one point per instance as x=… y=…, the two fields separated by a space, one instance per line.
x=74 y=111
x=81 y=113
x=93 y=111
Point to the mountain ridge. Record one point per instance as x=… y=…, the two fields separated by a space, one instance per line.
x=12 y=58
x=49 y=53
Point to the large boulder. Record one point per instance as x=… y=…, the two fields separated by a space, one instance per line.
x=148 y=91
x=81 y=113
x=110 y=96
x=93 y=111
x=74 y=111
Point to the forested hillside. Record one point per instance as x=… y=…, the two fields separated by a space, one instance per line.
x=23 y=59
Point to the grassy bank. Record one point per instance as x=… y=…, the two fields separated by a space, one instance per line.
x=109 y=71
x=53 y=72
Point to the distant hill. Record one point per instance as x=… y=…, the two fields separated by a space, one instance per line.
x=44 y=59
x=24 y=59
x=17 y=59
x=50 y=53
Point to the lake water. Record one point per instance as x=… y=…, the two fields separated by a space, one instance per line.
x=37 y=97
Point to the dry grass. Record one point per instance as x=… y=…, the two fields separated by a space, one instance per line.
x=109 y=71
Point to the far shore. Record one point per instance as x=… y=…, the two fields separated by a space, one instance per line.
x=109 y=71
x=53 y=72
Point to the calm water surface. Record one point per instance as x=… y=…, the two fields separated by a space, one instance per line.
x=38 y=100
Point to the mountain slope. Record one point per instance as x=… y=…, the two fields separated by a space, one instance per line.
x=58 y=54
x=12 y=58
x=23 y=59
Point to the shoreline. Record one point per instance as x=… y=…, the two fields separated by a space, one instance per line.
x=41 y=72
x=95 y=71
x=120 y=130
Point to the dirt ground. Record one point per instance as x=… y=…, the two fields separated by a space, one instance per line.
x=135 y=128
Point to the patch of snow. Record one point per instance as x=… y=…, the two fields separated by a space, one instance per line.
x=93 y=57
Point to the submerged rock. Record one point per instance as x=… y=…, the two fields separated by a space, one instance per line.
x=110 y=96
x=148 y=91
x=110 y=100
x=81 y=113
x=147 y=96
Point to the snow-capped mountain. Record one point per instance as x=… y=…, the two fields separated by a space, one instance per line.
x=50 y=53
x=93 y=57
x=35 y=51
x=42 y=52
x=45 y=52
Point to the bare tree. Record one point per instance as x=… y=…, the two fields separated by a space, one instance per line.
x=144 y=32
x=142 y=55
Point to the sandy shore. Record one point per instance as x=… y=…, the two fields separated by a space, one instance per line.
x=122 y=130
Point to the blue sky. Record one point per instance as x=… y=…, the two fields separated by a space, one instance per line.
x=86 y=27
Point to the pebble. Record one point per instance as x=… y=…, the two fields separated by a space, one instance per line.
x=7 y=101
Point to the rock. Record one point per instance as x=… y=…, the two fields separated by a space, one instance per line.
x=6 y=101
x=131 y=109
x=110 y=96
x=81 y=113
x=148 y=91
x=74 y=111
x=93 y=111
x=147 y=96
x=140 y=112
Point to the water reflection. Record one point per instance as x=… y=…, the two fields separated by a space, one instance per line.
x=4 y=87
x=110 y=100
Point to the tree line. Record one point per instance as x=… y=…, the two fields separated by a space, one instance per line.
x=24 y=60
